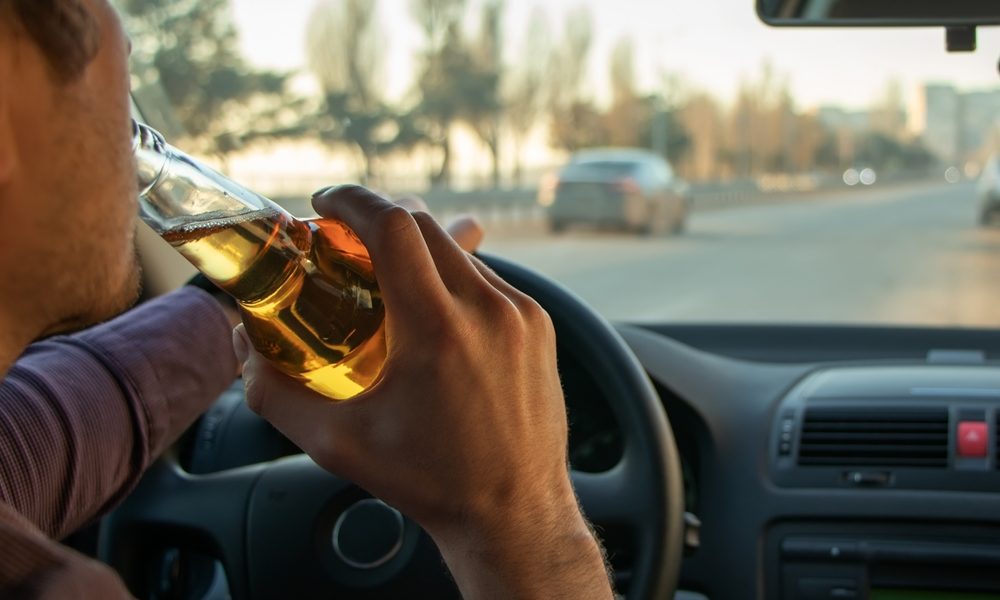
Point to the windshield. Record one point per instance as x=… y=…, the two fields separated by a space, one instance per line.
x=821 y=176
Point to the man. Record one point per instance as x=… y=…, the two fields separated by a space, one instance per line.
x=471 y=362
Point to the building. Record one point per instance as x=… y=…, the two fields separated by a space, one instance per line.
x=959 y=126
x=980 y=114
x=942 y=112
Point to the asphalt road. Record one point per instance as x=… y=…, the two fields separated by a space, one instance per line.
x=909 y=254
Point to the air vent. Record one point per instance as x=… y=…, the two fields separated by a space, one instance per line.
x=877 y=437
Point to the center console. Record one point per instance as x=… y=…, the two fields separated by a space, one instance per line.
x=873 y=561
x=888 y=434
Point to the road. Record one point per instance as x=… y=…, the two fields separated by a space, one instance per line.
x=909 y=254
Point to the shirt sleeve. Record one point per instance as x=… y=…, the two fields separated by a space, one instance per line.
x=33 y=566
x=82 y=416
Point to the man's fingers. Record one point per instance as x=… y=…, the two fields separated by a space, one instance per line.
x=448 y=247
x=467 y=232
x=412 y=203
x=465 y=229
x=453 y=263
x=495 y=280
x=325 y=429
x=403 y=265
x=519 y=298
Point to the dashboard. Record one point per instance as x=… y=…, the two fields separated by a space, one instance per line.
x=821 y=462
x=834 y=462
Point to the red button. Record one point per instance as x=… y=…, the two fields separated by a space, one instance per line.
x=972 y=439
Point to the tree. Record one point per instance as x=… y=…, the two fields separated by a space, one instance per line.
x=440 y=106
x=628 y=112
x=459 y=80
x=569 y=63
x=573 y=116
x=739 y=150
x=828 y=154
x=888 y=116
x=640 y=120
x=581 y=125
x=437 y=19
x=484 y=105
x=809 y=140
x=344 y=55
x=622 y=73
x=762 y=124
x=187 y=53
x=524 y=90
x=703 y=118
x=676 y=140
x=885 y=153
x=445 y=63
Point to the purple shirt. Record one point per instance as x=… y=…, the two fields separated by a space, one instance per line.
x=82 y=416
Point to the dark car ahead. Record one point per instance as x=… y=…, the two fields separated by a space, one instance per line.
x=630 y=189
x=989 y=192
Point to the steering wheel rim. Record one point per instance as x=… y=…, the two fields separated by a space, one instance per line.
x=223 y=513
x=650 y=465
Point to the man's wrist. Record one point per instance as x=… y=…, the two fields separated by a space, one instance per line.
x=547 y=550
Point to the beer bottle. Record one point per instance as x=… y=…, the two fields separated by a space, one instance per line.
x=306 y=288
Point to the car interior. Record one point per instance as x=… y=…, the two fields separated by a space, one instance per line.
x=716 y=459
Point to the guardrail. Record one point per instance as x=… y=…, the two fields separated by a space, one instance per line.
x=516 y=207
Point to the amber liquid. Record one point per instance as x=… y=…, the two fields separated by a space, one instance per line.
x=307 y=290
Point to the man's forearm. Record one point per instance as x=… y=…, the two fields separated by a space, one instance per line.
x=550 y=553
x=81 y=416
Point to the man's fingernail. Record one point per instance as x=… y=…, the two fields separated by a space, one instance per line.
x=240 y=344
x=322 y=191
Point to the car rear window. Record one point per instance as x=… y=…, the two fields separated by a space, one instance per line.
x=605 y=168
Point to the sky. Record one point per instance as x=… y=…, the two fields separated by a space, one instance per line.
x=712 y=44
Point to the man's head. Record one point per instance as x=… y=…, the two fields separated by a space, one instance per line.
x=67 y=182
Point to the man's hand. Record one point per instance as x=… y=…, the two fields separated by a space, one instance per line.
x=465 y=431
x=466 y=231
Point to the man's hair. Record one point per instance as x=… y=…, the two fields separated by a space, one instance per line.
x=65 y=31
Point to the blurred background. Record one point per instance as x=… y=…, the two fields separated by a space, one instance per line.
x=412 y=95
x=864 y=139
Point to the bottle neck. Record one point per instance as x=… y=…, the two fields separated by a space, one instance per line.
x=178 y=191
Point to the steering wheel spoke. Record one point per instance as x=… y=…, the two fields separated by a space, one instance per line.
x=174 y=509
x=611 y=497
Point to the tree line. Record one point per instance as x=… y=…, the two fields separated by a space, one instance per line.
x=188 y=67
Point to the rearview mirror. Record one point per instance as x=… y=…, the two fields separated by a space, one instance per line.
x=885 y=13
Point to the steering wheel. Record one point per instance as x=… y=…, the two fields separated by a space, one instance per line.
x=288 y=528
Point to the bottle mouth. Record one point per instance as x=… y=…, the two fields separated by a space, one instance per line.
x=145 y=137
x=150 y=150
x=135 y=136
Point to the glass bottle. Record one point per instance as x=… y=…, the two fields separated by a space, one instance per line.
x=306 y=288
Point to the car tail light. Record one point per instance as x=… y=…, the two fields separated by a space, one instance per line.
x=627 y=186
x=547 y=189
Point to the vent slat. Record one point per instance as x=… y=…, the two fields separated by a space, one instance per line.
x=901 y=427
x=862 y=449
x=873 y=462
x=859 y=436
x=876 y=412
x=878 y=437
x=830 y=423
x=900 y=421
